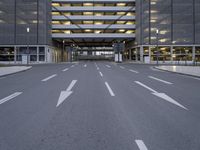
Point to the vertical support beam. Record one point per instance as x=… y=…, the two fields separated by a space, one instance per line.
x=15 y=54
x=193 y=54
x=141 y=53
x=37 y=54
x=149 y=54
x=136 y=54
x=171 y=52
x=130 y=57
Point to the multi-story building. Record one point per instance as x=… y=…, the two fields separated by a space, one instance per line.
x=168 y=30
x=93 y=25
x=25 y=28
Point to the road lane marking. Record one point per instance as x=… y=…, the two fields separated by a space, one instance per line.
x=131 y=70
x=143 y=85
x=141 y=145
x=50 y=77
x=2 y=78
x=72 y=66
x=65 y=94
x=157 y=79
x=65 y=69
x=97 y=68
x=10 y=97
x=71 y=85
x=162 y=95
x=85 y=65
x=109 y=89
x=122 y=67
x=108 y=66
x=101 y=74
x=154 y=69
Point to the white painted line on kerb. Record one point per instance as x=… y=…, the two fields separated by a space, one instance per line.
x=65 y=69
x=109 y=89
x=141 y=145
x=131 y=70
x=108 y=66
x=101 y=74
x=122 y=67
x=157 y=79
x=10 y=97
x=48 y=78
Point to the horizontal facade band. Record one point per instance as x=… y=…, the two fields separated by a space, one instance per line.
x=93 y=36
x=94 y=18
x=101 y=27
x=93 y=9
x=93 y=1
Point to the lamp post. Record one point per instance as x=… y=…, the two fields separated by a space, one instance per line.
x=62 y=53
x=28 y=30
x=157 y=32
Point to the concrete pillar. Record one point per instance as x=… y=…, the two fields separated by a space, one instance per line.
x=136 y=54
x=193 y=54
x=15 y=54
x=141 y=54
x=150 y=54
x=37 y=54
x=130 y=57
x=171 y=52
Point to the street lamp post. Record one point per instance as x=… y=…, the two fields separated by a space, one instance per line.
x=28 y=30
x=62 y=54
x=157 y=32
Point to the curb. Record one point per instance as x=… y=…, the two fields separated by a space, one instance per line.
x=177 y=72
x=16 y=72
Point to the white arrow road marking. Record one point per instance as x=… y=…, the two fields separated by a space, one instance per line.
x=65 y=94
x=108 y=66
x=101 y=74
x=10 y=97
x=109 y=89
x=65 y=69
x=131 y=70
x=122 y=67
x=141 y=145
x=166 y=82
x=162 y=95
x=50 y=77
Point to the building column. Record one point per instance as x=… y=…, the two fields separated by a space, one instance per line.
x=130 y=57
x=193 y=54
x=37 y=54
x=171 y=52
x=141 y=54
x=15 y=55
x=136 y=54
x=149 y=54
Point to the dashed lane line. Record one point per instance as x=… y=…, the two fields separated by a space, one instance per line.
x=10 y=97
x=50 y=77
x=157 y=79
x=141 y=145
x=109 y=89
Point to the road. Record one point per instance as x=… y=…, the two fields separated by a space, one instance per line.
x=99 y=106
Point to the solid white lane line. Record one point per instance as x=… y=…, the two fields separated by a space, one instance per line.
x=141 y=145
x=122 y=67
x=65 y=69
x=108 y=66
x=162 y=95
x=10 y=97
x=109 y=89
x=65 y=94
x=150 y=89
x=50 y=77
x=166 y=82
x=101 y=74
x=71 y=85
x=131 y=70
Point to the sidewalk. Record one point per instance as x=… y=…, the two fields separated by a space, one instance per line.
x=13 y=69
x=188 y=70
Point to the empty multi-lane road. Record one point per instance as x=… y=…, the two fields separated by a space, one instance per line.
x=99 y=106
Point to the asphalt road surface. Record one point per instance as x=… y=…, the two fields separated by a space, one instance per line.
x=99 y=106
